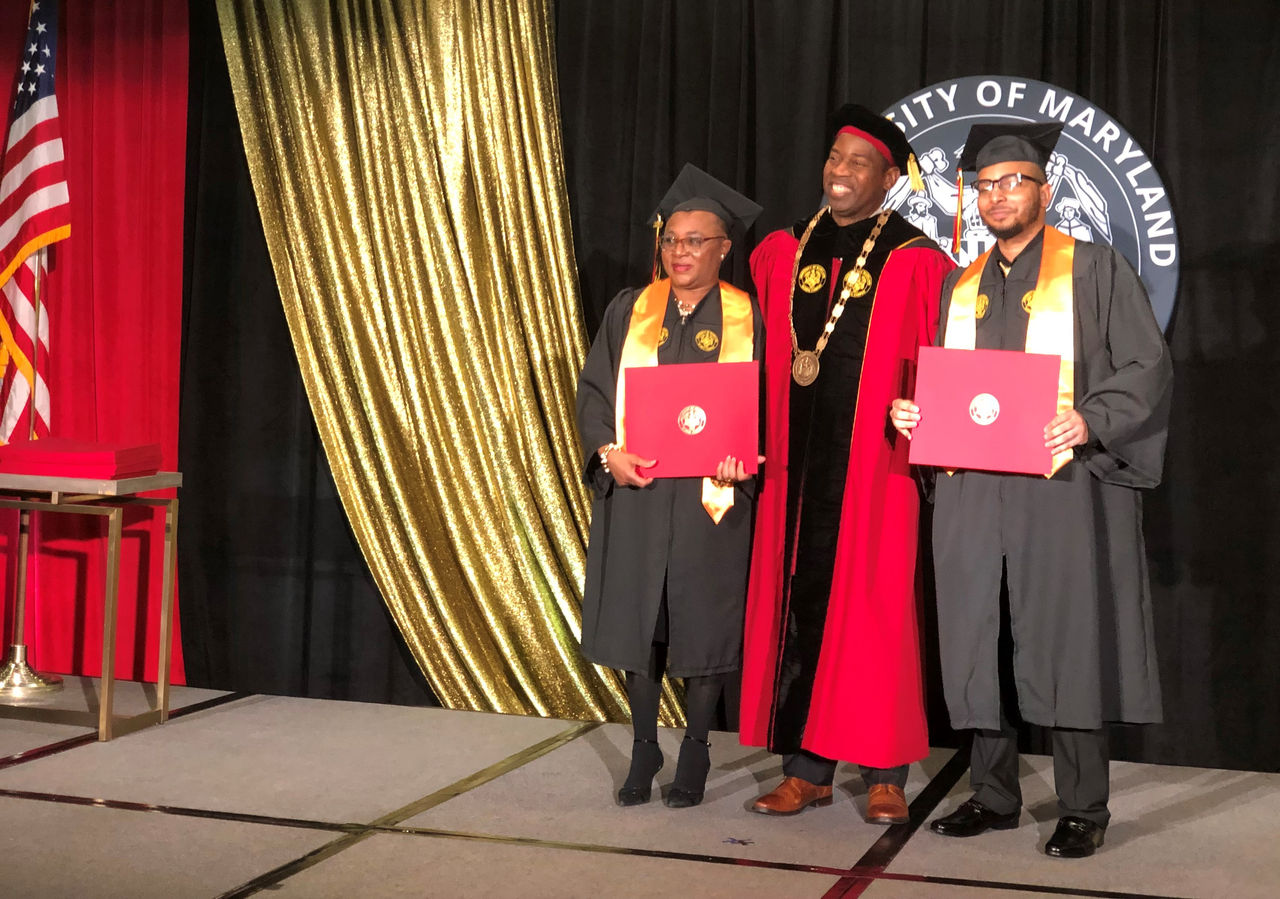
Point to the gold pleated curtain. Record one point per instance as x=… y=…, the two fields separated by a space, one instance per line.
x=407 y=163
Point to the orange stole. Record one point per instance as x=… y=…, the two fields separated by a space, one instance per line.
x=640 y=348
x=1051 y=327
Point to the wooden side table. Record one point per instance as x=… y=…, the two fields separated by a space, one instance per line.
x=103 y=498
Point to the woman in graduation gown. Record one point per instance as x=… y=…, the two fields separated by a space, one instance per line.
x=667 y=557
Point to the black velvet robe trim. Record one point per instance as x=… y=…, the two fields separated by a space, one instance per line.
x=820 y=431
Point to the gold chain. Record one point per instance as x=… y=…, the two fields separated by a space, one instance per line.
x=805 y=362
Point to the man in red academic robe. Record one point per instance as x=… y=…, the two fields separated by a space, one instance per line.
x=831 y=666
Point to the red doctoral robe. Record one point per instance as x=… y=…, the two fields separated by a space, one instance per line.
x=866 y=704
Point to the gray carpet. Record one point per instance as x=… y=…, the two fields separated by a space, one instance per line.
x=407 y=866
x=570 y=793
x=292 y=797
x=52 y=851
x=1174 y=831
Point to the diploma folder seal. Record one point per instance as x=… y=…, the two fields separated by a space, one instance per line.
x=984 y=409
x=690 y=416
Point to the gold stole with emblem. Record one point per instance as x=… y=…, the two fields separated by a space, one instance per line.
x=1050 y=328
x=640 y=348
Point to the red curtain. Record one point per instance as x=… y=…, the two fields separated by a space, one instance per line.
x=115 y=310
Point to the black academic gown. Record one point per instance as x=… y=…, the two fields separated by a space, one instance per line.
x=1079 y=598
x=645 y=541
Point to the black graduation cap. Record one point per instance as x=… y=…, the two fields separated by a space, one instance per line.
x=852 y=115
x=990 y=143
x=696 y=191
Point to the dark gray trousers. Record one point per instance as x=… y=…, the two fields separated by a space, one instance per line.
x=822 y=771
x=1081 y=772
x=1081 y=759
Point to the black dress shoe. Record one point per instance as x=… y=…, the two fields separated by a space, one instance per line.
x=691 y=774
x=1075 y=838
x=973 y=818
x=646 y=761
x=628 y=796
x=678 y=797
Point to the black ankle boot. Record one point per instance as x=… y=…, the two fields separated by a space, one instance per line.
x=691 y=773
x=646 y=761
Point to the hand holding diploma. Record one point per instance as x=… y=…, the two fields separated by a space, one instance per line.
x=904 y=415
x=622 y=465
x=731 y=469
x=1067 y=429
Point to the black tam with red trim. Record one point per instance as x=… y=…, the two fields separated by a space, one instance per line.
x=874 y=128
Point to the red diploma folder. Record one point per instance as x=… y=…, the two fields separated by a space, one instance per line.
x=984 y=409
x=689 y=417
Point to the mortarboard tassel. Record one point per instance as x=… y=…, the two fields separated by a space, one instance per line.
x=913 y=174
x=657 y=248
x=955 y=232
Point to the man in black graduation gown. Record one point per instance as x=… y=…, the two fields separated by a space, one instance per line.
x=1069 y=547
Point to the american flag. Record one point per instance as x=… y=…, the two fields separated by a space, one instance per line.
x=34 y=212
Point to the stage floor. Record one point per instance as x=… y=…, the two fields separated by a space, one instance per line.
x=246 y=794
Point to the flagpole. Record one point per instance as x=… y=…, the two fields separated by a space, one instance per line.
x=18 y=680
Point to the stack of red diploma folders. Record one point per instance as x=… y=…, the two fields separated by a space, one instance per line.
x=61 y=458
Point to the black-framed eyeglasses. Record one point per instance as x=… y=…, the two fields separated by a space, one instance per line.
x=670 y=242
x=1006 y=182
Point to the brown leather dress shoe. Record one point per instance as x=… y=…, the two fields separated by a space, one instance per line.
x=886 y=804
x=791 y=796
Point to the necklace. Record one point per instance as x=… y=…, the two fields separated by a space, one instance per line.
x=804 y=363
x=685 y=309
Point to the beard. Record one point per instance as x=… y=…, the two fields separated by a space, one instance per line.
x=1028 y=219
x=1008 y=233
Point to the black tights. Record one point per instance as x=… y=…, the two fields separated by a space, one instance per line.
x=644 y=690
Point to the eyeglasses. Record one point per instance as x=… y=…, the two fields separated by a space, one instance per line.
x=670 y=242
x=1006 y=182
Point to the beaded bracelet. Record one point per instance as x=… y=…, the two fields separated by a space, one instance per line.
x=604 y=455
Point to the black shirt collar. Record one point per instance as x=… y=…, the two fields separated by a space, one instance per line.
x=1030 y=250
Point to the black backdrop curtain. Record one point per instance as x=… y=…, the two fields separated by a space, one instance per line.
x=742 y=88
x=276 y=596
